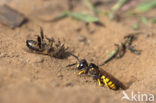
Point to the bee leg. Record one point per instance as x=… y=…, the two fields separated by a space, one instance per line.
x=51 y=40
x=99 y=82
x=41 y=32
x=39 y=41
x=45 y=52
x=82 y=72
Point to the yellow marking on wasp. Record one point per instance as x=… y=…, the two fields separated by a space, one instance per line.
x=82 y=72
x=103 y=77
x=99 y=82
x=107 y=79
x=104 y=81
x=77 y=65
x=113 y=86
x=110 y=83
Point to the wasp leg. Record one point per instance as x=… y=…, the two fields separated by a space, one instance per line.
x=104 y=80
x=82 y=72
x=99 y=82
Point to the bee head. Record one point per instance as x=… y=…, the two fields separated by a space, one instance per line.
x=82 y=65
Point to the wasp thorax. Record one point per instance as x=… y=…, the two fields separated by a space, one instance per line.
x=93 y=69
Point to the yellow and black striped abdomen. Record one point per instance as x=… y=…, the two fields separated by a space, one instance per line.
x=108 y=82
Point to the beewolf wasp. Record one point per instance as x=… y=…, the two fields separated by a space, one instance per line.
x=94 y=71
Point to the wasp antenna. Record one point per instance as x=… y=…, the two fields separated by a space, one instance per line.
x=76 y=57
x=69 y=65
x=41 y=32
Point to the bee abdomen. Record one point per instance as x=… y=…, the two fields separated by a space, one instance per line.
x=32 y=45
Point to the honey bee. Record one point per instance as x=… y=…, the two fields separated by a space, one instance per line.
x=94 y=71
x=46 y=46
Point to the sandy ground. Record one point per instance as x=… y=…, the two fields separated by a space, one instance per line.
x=31 y=78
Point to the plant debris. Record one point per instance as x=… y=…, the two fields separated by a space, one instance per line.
x=145 y=6
x=120 y=50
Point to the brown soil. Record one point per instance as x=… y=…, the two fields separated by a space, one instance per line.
x=32 y=78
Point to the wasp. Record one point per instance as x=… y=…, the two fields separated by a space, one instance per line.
x=100 y=76
x=47 y=46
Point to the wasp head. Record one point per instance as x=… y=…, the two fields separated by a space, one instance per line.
x=82 y=64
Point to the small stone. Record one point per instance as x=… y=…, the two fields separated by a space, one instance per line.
x=60 y=76
x=40 y=60
x=69 y=85
x=82 y=38
x=11 y=17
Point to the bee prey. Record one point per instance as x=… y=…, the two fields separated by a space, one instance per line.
x=47 y=46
